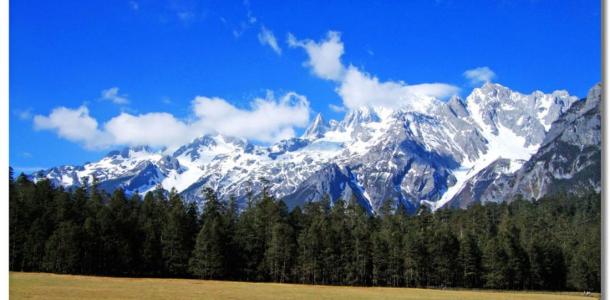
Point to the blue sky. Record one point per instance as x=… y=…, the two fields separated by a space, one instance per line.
x=182 y=65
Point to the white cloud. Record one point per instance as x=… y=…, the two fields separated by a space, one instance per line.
x=435 y=90
x=361 y=89
x=266 y=120
x=358 y=88
x=152 y=129
x=479 y=75
x=336 y=108
x=112 y=94
x=324 y=56
x=72 y=124
x=266 y=37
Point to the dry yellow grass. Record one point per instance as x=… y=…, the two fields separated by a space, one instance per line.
x=51 y=286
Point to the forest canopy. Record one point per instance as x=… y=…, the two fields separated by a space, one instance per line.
x=549 y=244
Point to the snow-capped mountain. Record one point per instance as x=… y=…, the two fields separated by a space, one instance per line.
x=568 y=160
x=428 y=153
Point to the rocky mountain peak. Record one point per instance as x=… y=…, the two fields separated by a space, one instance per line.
x=426 y=154
x=358 y=117
x=593 y=98
x=457 y=107
x=494 y=107
x=128 y=152
x=316 y=129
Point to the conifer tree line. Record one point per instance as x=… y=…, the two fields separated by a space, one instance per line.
x=550 y=244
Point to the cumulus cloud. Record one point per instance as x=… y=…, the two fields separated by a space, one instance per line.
x=152 y=129
x=266 y=120
x=112 y=94
x=324 y=56
x=358 y=88
x=361 y=89
x=72 y=124
x=266 y=37
x=479 y=75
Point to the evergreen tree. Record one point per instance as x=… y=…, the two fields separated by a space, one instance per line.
x=93 y=245
x=268 y=213
x=18 y=193
x=495 y=263
x=149 y=223
x=380 y=244
x=208 y=259
x=250 y=243
x=311 y=244
x=586 y=263
x=280 y=252
x=296 y=221
x=417 y=256
x=174 y=241
x=547 y=265
x=380 y=249
x=232 y=251
x=444 y=249
x=517 y=268
x=192 y=224
x=79 y=205
x=550 y=244
x=360 y=267
x=62 y=253
x=40 y=211
x=337 y=243
x=470 y=258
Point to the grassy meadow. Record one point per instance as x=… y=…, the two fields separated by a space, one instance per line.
x=52 y=286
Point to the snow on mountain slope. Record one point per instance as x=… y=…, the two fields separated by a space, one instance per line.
x=505 y=145
x=513 y=124
x=115 y=164
x=422 y=153
x=568 y=160
x=528 y=116
x=317 y=128
x=196 y=156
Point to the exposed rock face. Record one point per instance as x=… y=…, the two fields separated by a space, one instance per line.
x=317 y=129
x=489 y=185
x=568 y=160
x=493 y=145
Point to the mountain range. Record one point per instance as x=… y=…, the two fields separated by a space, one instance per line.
x=495 y=145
